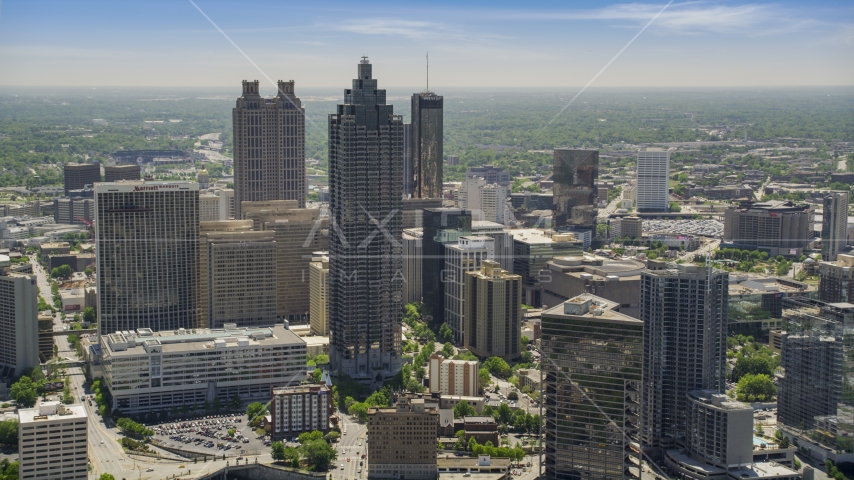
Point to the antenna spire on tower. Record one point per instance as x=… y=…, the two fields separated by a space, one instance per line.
x=428 y=71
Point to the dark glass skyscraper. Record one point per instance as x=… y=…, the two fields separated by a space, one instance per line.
x=441 y=226
x=426 y=149
x=365 y=189
x=574 y=174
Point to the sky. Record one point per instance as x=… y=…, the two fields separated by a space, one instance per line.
x=495 y=43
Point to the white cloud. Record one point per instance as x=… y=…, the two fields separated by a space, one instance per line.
x=689 y=17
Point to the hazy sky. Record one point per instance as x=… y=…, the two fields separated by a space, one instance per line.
x=471 y=43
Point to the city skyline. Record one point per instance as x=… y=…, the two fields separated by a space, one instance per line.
x=687 y=44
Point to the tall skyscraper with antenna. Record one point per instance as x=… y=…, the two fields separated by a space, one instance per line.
x=365 y=249
x=426 y=145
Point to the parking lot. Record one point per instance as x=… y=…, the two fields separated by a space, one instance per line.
x=210 y=434
x=703 y=228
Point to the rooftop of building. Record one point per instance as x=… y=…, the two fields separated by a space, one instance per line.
x=590 y=307
x=486 y=225
x=50 y=410
x=762 y=470
x=777 y=206
x=145 y=186
x=478 y=419
x=446 y=461
x=842 y=260
x=682 y=269
x=596 y=265
x=300 y=389
x=538 y=236
x=745 y=284
x=718 y=400
x=181 y=340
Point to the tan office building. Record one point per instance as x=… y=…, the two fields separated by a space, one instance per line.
x=453 y=377
x=204 y=229
x=319 y=294
x=402 y=441
x=209 y=207
x=631 y=227
x=299 y=232
x=241 y=278
x=493 y=306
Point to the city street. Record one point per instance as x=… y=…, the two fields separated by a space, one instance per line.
x=105 y=454
x=348 y=446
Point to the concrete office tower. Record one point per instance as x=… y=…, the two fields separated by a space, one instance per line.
x=218 y=226
x=453 y=377
x=299 y=233
x=777 y=227
x=493 y=312
x=491 y=173
x=412 y=263
x=836 y=280
x=122 y=172
x=834 y=225
x=19 y=329
x=465 y=256
x=261 y=212
x=503 y=241
x=402 y=441
x=684 y=312
x=318 y=290
x=298 y=409
x=532 y=248
x=592 y=363
x=226 y=204
x=810 y=378
x=241 y=279
x=209 y=207
x=78 y=175
x=297 y=238
x=631 y=227
x=427 y=146
x=486 y=201
x=365 y=190
x=574 y=173
x=269 y=146
x=53 y=442
x=146 y=244
x=442 y=226
x=653 y=172
x=75 y=211
x=720 y=437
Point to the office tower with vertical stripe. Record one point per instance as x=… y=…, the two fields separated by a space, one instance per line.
x=653 y=170
x=269 y=146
